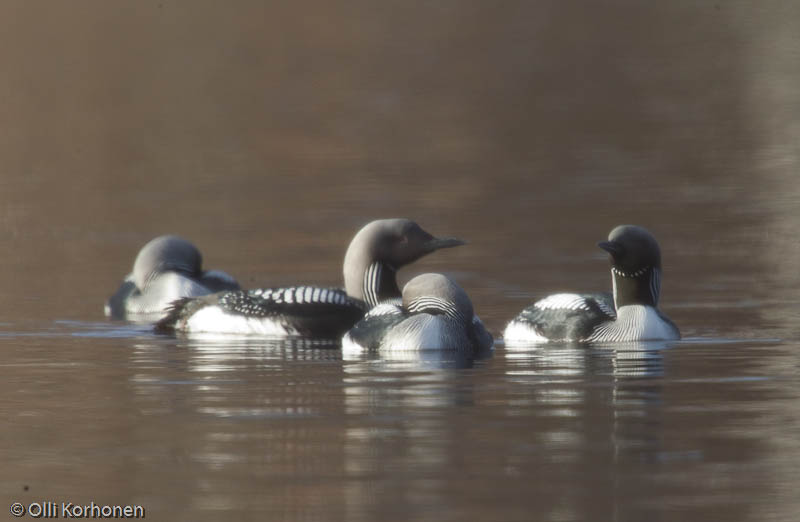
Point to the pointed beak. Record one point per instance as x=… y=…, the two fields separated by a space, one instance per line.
x=611 y=247
x=438 y=243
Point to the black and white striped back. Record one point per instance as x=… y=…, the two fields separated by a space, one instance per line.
x=561 y=317
x=298 y=310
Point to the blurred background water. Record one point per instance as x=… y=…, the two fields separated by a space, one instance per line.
x=268 y=133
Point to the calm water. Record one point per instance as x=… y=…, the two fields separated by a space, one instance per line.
x=269 y=134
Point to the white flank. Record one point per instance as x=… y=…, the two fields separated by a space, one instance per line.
x=652 y=327
x=519 y=332
x=162 y=291
x=562 y=302
x=421 y=332
x=635 y=323
x=350 y=347
x=352 y=351
x=212 y=319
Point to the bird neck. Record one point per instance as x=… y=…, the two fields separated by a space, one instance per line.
x=641 y=287
x=371 y=281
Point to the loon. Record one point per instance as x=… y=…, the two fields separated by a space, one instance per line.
x=630 y=314
x=167 y=268
x=435 y=314
x=371 y=262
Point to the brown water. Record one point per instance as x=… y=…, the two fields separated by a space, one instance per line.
x=268 y=134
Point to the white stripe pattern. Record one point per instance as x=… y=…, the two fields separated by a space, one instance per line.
x=384 y=309
x=372 y=280
x=424 y=303
x=296 y=295
x=655 y=285
x=562 y=302
x=634 y=323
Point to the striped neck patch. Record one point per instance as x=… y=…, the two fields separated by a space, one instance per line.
x=372 y=283
x=435 y=305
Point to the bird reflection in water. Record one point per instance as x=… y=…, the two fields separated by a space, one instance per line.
x=595 y=403
x=394 y=400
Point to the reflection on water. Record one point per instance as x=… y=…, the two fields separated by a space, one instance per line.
x=398 y=359
x=292 y=429
x=634 y=359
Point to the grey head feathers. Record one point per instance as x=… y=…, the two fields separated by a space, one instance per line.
x=437 y=294
x=635 y=265
x=164 y=254
x=165 y=269
x=379 y=249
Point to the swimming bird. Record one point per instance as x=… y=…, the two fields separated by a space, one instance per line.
x=167 y=268
x=435 y=314
x=629 y=314
x=371 y=262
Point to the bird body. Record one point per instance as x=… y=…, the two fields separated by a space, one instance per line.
x=630 y=313
x=371 y=262
x=435 y=314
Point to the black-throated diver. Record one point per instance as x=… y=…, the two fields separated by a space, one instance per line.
x=371 y=262
x=629 y=314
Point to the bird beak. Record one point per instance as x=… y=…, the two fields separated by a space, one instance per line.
x=443 y=242
x=611 y=247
